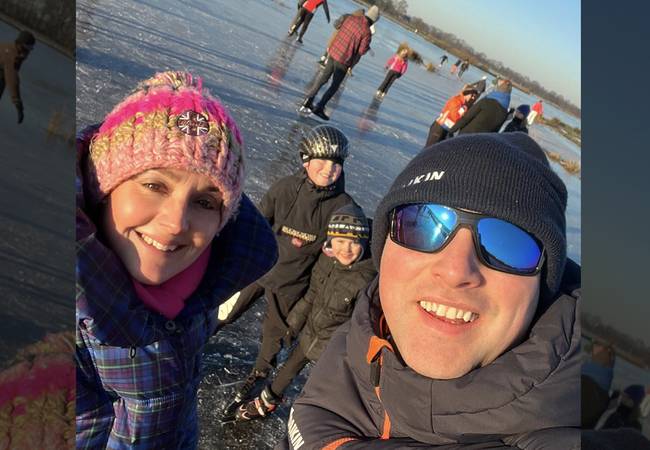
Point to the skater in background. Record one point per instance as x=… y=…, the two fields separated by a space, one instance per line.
x=343 y=268
x=518 y=122
x=537 y=110
x=443 y=59
x=351 y=42
x=165 y=234
x=12 y=55
x=298 y=208
x=396 y=66
x=463 y=67
x=306 y=10
x=479 y=85
x=337 y=25
x=450 y=114
x=488 y=114
x=454 y=67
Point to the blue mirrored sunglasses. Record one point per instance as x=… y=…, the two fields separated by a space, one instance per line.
x=500 y=245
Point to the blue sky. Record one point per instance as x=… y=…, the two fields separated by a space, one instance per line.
x=540 y=39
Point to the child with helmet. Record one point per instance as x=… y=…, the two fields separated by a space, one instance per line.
x=298 y=208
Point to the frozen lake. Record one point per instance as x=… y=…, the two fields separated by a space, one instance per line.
x=241 y=50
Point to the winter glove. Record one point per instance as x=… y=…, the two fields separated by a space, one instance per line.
x=21 y=115
x=223 y=313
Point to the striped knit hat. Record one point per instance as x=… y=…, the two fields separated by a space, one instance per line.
x=349 y=221
x=169 y=122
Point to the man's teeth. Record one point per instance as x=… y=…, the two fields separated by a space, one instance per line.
x=158 y=245
x=448 y=312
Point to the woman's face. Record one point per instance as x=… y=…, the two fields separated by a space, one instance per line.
x=160 y=221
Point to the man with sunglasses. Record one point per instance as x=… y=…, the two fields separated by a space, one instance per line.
x=469 y=336
x=12 y=56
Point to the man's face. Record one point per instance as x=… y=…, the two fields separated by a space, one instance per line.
x=420 y=292
x=323 y=172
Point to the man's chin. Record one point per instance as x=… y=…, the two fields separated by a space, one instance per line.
x=439 y=368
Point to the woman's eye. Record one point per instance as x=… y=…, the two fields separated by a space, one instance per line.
x=206 y=204
x=153 y=186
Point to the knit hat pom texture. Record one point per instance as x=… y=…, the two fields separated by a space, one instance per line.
x=169 y=122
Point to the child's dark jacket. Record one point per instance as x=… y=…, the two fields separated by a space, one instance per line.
x=296 y=208
x=329 y=302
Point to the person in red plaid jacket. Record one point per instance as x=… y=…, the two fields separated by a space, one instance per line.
x=351 y=42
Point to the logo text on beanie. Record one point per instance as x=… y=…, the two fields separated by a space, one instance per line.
x=429 y=176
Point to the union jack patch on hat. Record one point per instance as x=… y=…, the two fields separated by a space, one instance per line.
x=193 y=123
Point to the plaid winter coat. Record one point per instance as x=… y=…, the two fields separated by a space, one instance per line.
x=352 y=40
x=137 y=372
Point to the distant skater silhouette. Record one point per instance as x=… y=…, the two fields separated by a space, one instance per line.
x=12 y=55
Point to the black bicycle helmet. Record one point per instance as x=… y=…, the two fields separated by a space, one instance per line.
x=324 y=142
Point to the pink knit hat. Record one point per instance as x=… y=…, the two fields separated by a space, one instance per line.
x=169 y=122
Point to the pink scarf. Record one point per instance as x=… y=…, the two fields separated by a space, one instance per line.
x=169 y=297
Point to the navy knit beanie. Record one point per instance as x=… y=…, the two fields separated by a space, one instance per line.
x=500 y=175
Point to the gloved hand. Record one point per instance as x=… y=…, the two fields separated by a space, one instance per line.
x=21 y=115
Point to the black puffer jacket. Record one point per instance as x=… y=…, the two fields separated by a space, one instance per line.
x=485 y=116
x=329 y=302
x=528 y=398
x=295 y=207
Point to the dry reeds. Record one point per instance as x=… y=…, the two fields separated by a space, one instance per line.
x=573 y=167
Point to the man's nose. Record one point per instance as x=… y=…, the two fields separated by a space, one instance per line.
x=457 y=265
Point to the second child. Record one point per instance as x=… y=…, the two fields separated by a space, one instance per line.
x=344 y=267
